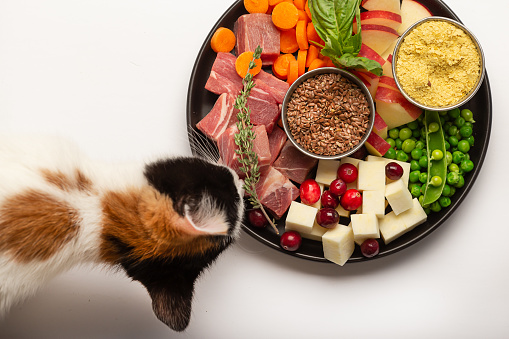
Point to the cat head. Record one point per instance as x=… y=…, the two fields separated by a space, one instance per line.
x=190 y=213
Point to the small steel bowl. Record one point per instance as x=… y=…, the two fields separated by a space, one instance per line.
x=350 y=77
x=469 y=95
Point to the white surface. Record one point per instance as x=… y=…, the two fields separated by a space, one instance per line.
x=113 y=75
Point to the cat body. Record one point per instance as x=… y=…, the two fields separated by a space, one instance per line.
x=163 y=221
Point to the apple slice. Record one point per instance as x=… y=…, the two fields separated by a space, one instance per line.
x=376 y=145
x=369 y=79
x=411 y=12
x=380 y=127
x=384 y=18
x=378 y=37
x=382 y=5
x=394 y=108
x=368 y=52
x=387 y=67
x=387 y=81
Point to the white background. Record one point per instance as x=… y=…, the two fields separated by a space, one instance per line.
x=113 y=75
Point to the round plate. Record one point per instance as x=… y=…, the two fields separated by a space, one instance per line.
x=200 y=102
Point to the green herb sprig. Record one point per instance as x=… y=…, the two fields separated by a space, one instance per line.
x=247 y=157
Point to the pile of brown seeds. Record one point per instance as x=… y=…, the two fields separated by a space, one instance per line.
x=328 y=114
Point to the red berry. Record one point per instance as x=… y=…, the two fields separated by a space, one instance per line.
x=327 y=217
x=309 y=192
x=256 y=218
x=393 y=170
x=370 y=248
x=351 y=200
x=348 y=172
x=290 y=241
x=329 y=200
x=338 y=187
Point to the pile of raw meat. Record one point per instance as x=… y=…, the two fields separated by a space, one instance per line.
x=281 y=164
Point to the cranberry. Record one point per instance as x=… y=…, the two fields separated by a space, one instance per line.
x=351 y=200
x=348 y=172
x=309 y=192
x=370 y=248
x=290 y=241
x=393 y=170
x=256 y=218
x=338 y=187
x=327 y=217
x=329 y=200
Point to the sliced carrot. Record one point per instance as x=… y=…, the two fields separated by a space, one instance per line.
x=269 y=11
x=317 y=63
x=256 y=6
x=285 y=15
x=301 y=35
x=303 y=15
x=299 y=4
x=313 y=37
x=223 y=40
x=313 y=53
x=329 y=63
x=301 y=60
x=288 y=41
x=242 y=64
x=274 y=2
x=293 y=71
x=280 y=66
x=308 y=12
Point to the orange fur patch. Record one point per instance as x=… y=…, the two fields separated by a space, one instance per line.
x=145 y=221
x=34 y=225
x=65 y=182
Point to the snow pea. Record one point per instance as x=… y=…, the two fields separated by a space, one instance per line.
x=437 y=167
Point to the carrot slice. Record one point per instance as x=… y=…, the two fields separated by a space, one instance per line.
x=299 y=4
x=256 y=6
x=223 y=40
x=293 y=71
x=301 y=34
x=288 y=41
x=312 y=35
x=313 y=53
x=308 y=12
x=274 y=2
x=242 y=64
x=317 y=63
x=301 y=60
x=285 y=15
x=280 y=66
x=303 y=15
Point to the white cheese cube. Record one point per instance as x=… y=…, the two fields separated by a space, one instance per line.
x=364 y=226
x=327 y=171
x=375 y=158
x=403 y=164
x=342 y=212
x=318 y=204
x=300 y=217
x=374 y=202
x=349 y=160
x=393 y=226
x=338 y=244
x=316 y=232
x=371 y=176
x=398 y=196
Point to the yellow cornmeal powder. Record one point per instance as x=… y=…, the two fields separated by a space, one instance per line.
x=438 y=64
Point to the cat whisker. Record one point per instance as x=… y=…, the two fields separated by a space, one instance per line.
x=202 y=146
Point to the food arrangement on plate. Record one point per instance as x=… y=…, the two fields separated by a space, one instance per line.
x=345 y=154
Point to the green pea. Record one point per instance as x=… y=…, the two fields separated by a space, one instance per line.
x=399 y=143
x=414 y=165
x=415 y=190
x=391 y=142
x=416 y=133
x=401 y=156
x=390 y=154
x=436 y=181
x=459 y=121
x=457 y=157
x=463 y=146
x=447 y=145
x=427 y=210
x=414 y=176
x=461 y=182
x=444 y=201
x=423 y=177
x=467 y=115
x=416 y=153
x=453 y=190
x=408 y=145
x=437 y=155
x=446 y=191
x=413 y=125
x=467 y=165
x=448 y=158
x=452 y=130
x=435 y=206
x=423 y=161
x=442 y=120
x=470 y=140
x=420 y=144
x=433 y=127
x=447 y=125
x=453 y=178
x=465 y=131
x=394 y=133
x=468 y=123
x=453 y=141
x=454 y=113
x=405 y=133
x=453 y=168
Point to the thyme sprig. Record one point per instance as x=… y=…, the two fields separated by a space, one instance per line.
x=247 y=157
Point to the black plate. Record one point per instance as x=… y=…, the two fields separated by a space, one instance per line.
x=200 y=102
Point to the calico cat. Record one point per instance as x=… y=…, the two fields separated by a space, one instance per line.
x=163 y=221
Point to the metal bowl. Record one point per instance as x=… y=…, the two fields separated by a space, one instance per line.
x=469 y=95
x=346 y=75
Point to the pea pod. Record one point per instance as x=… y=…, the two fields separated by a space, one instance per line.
x=434 y=141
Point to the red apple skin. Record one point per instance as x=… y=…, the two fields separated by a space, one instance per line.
x=387 y=29
x=379 y=122
x=388 y=82
x=391 y=96
x=376 y=145
x=369 y=53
